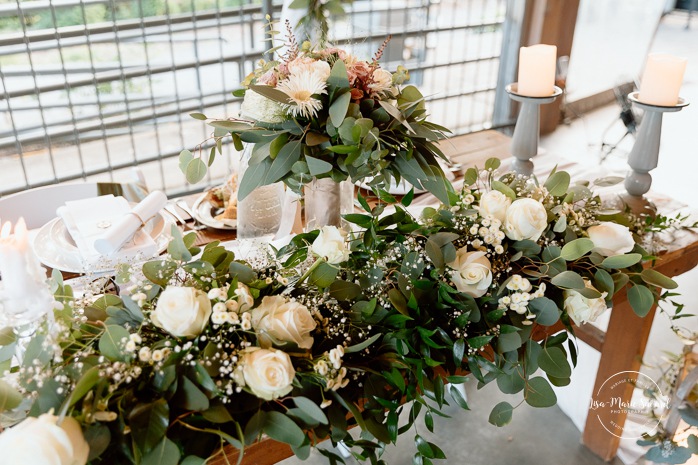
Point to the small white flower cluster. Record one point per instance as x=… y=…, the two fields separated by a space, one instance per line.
x=487 y=233
x=147 y=355
x=134 y=340
x=465 y=201
x=539 y=193
x=518 y=300
x=330 y=368
x=118 y=373
x=232 y=310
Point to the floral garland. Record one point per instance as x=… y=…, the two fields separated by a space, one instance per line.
x=333 y=330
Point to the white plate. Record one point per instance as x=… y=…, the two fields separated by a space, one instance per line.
x=55 y=248
x=204 y=213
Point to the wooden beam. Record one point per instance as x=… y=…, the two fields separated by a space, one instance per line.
x=623 y=349
x=552 y=22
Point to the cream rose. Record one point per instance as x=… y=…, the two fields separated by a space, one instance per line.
x=182 y=311
x=581 y=309
x=280 y=320
x=267 y=372
x=525 y=219
x=473 y=272
x=611 y=239
x=381 y=80
x=494 y=204
x=41 y=441
x=331 y=244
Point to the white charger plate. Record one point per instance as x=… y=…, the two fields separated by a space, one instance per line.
x=204 y=212
x=55 y=248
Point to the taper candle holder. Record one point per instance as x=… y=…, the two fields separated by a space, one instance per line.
x=524 y=143
x=644 y=155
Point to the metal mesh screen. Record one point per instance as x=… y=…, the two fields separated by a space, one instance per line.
x=92 y=88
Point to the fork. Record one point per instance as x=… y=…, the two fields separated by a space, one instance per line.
x=172 y=210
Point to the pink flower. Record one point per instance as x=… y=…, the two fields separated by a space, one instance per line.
x=268 y=79
x=359 y=70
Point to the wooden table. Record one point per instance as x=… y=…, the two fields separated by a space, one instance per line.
x=621 y=346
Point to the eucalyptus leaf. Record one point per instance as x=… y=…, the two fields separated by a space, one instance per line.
x=317 y=166
x=641 y=299
x=196 y=170
x=165 y=452
x=272 y=93
x=621 y=261
x=324 y=275
x=504 y=189
x=546 y=311
x=149 y=422
x=554 y=362
x=655 y=278
x=338 y=109
x=311 y=409
x=558 y=183
x=281 y=166
x=344 y=290
x=112 y=343
x=568 y=280
x=577 y=249
x=9 y=397
x=501 y=414
x=281 y=428
x=538 y=393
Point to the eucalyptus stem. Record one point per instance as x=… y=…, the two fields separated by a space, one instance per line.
x=305 y=275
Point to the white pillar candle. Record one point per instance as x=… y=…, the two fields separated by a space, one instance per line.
x=24 y=289
x=662 y=79
x=537 y=70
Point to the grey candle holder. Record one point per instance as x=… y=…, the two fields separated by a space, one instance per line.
x=524 y=143
x=644 y=156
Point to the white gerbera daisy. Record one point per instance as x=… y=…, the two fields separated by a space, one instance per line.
x=300 y=88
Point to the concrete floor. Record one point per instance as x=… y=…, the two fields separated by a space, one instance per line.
x=549 y=436
x=534 y=437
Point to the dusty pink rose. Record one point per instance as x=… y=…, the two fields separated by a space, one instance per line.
x=359 y=70
x=268 y=79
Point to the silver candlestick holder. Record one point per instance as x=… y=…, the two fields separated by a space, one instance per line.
x=524 y=143
x=644 y=155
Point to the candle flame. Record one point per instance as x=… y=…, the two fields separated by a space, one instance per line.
x=5 y=231
x=21 y=231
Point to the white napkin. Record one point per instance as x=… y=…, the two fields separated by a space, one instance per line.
x=86 y=220
x=130 y=223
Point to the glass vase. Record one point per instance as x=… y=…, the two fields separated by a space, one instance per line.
x=259 y=214
x=325 y=201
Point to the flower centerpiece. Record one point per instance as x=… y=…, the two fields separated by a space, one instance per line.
x=325 y=114
x=203 y=352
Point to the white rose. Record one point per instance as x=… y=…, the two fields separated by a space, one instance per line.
x=581 y=309
x=259 y=108
x=322 y=69
x=41 y=441
x=280 y=320
x=473 y=272
x=611 y=239
x=525 y=219
x=331 y=244
x=494 y=204
x=268 y=373
x=381 y=80
x=182 y=311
